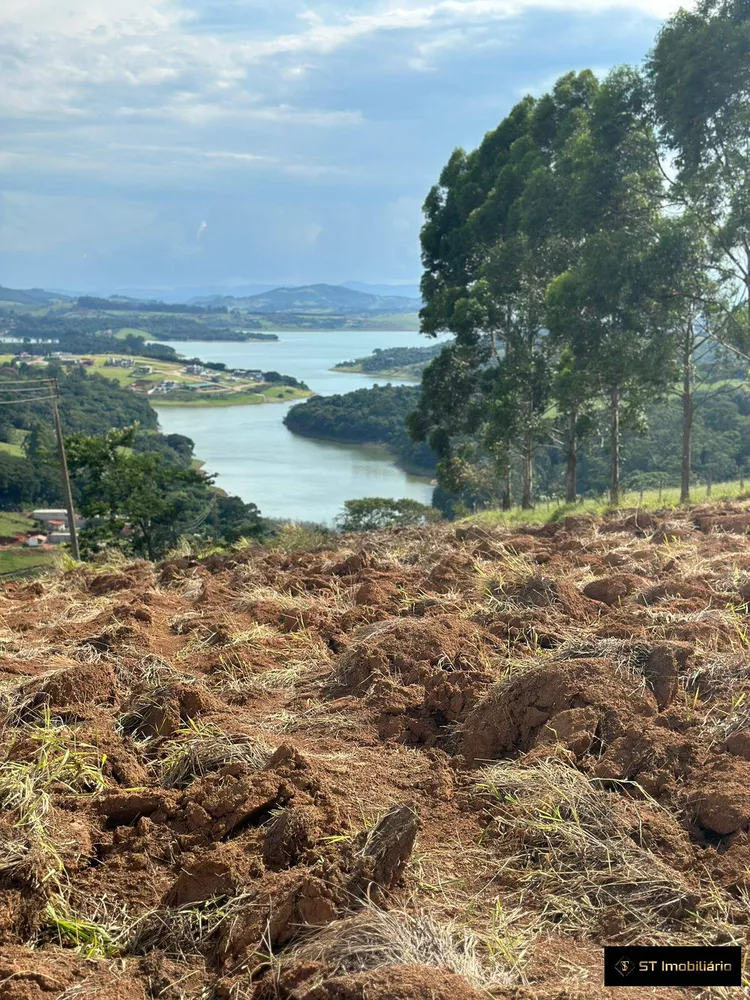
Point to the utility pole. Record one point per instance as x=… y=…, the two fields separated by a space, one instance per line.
x=45 y=390
x=65 y=477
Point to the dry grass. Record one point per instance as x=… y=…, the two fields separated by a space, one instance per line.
x=202 y=747
x=720 y=674
x=723 y=721
x=375 y=938
x=576 y=859
x=629 y=658
x=317 y=719
x=43 y=759
x=183 y=932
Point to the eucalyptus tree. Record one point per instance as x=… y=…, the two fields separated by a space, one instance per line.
x=697 y=319
x=606 y=309
x=699 y=74
x=489 y=253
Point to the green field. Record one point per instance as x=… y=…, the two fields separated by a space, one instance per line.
x=17 y=560
x=11 y=449
x=389 y=373
x=14 y=524
x=280 y=394
x=545 y=512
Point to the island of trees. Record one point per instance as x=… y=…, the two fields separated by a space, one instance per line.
x=393 y=362
x=366 y=416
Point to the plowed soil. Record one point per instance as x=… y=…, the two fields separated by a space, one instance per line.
x=439 y=763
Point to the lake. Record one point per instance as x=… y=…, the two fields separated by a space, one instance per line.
x=256 y=458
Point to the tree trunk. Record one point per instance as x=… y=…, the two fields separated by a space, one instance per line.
x=527 y=501
x=508 y=486
x=687 y=425
x=571 y=471
x=614 y=491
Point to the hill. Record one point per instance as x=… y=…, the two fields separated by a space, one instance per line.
x=32 y=296
x=393 y=362
x=317 y=300
x=440 y=762
x=404 y=291
x=374 y=415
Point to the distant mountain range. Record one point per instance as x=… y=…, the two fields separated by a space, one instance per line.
x=351 y=299
x=315 y=300
x=411 y=291
x=32 y=296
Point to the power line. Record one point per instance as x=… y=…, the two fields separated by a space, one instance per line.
x=26 y=389
x=42 y=386
x=27 y=381
x=25 y=399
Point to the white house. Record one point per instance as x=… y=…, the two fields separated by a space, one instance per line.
x=34 y=541
x=59 y=517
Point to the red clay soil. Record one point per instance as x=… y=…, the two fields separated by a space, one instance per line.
x=206 y=763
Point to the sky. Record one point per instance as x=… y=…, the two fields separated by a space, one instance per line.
x=165 y=144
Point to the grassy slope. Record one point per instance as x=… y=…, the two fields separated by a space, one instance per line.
x=13 y=524
x=174 y=371
x=651 y=500
x=17 y=560
x=391 y=373
x=282 y=394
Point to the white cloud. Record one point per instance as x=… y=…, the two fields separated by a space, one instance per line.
x=70 y=56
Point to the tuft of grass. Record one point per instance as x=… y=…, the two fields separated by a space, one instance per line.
x=725 y=721
x=374 y=938
x=202 y=747
x=55 y=760
x=88 y=937
x=577 y=855
x=183 y=932
x=291 y=537
x=239 y=676
x=722 y=673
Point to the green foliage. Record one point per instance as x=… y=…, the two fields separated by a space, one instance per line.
x=409 y=361
x=366 y=416
x=378 y=513
x=87 y=404
x=145 y=503
x=570 y=285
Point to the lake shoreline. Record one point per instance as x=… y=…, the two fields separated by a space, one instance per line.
x=256 y=457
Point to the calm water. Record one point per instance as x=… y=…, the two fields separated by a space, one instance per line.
x=258 y=459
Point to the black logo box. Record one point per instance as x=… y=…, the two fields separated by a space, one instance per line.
x=673 y=966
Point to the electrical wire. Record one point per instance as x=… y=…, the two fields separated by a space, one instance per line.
x=41 y=388
x=26 y=385
x=25 y=399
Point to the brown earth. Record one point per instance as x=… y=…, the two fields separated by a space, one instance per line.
x=401 y=768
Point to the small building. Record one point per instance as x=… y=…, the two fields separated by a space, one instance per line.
x=58 y=537
x=52 y=519
x=34 y=541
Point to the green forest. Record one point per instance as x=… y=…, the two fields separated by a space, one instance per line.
x=366 y=416
x=398 y=362
x=592 y=258
x=123 y=471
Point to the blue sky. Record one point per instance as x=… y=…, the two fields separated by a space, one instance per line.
x=166 y=143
